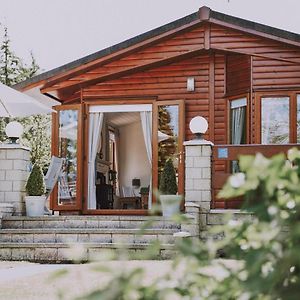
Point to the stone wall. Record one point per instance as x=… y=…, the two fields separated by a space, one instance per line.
x=14 y=170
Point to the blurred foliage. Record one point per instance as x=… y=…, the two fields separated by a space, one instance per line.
x=36 y=128
x=260 y=250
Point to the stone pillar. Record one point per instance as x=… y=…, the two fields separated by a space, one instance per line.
x=14 y=171
x=197 y=183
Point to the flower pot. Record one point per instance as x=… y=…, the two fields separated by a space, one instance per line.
x=35 y=205
x=170 y=204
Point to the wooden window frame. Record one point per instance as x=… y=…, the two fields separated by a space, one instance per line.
x=248 y=117
x=292 y=95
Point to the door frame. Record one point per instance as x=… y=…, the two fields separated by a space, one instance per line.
x=181 y=136
x=55 y=151
x=85 y=209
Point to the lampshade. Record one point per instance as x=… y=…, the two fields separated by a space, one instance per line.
x=198 y=125
x=14 y=130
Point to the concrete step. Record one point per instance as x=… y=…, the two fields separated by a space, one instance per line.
x=86 y=235
x=156 y=222
x=66 y=252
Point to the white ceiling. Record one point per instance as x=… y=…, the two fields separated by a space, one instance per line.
x=119 y=119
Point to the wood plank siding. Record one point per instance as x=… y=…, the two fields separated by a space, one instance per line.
x=228 y=57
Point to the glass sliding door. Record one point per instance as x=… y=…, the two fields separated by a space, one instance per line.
x=275 y=116
x=168 y=140
x=67 y=195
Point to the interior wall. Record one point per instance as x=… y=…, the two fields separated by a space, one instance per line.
x=133 y=160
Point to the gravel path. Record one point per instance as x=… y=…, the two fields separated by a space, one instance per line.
x=22 y=280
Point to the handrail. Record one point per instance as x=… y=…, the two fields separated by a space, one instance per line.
x=232 y=152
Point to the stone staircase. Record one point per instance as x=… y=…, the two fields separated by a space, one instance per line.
x=61 y=238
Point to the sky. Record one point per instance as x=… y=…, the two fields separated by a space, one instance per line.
x=60 y=31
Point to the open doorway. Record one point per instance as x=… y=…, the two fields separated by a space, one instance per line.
x=120 y=156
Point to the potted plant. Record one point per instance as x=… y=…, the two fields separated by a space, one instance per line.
x=35 y=189
x=169 y=199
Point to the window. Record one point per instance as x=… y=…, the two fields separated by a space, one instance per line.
x=238 y=114
x=275 y=127
x=298 y=118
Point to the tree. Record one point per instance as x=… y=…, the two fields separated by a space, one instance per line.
x=13 y=70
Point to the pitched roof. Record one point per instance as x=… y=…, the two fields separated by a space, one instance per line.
x=204 y=14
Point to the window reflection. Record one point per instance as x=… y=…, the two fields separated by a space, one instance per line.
x=168 y=120
x=68 y=127
x=275 y=120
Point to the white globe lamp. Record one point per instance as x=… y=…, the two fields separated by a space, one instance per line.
x=198 y=126
x=14 y=130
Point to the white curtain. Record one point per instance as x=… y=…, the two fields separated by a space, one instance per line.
x=117 y=145
x=95 y=127
x=237 y=128
x=146 y=119
x=238 y=120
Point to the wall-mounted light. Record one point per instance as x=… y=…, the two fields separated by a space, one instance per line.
x=198 y=126
x=14 y=130
x=190 y=84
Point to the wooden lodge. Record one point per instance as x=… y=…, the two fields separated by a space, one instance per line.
x=243 y=77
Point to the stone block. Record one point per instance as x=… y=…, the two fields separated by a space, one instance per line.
x=44 y=238
x=206 y=196
x=189 y=162
x=122 y=239
x=166 y=238
x=4 y=238
x=33 y=224
x=189 y=184
x=12 y=224
x=74 y=223
x=2 y=154
x=193 y=151
x=6 y=164
x=144 y=239
x=45 y=254
x=167 y=254
x=193 y=229
x=109 y=224
x=19 y=164
x=5 y=253
x=205 y=206
x=16 y=175
x=15 y=153
x=202 y=162
x=19 y=186
x=13 y=197
x=203 y=221
x=70 y=254
x=6 y=186
x=92 y=224
x=66 y=238
x=22 y=238
x=22 y=254
x=100 y=238
x=216 y=219
x=206 y=173
x=54 y=224
x=2 y=196
x=2 y=174
x=83 y=238
x=202 y=184
x=193 y=196
x=206 y=151
x=193 y=173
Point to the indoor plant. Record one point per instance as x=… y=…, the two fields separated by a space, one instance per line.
x=35 y=189
x=169 y=199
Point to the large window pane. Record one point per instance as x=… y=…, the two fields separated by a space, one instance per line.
x=68 y=127
x=275 y=120
x=168 y=120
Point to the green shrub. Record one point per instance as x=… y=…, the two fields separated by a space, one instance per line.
x=168 y=184
x=35 y=185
